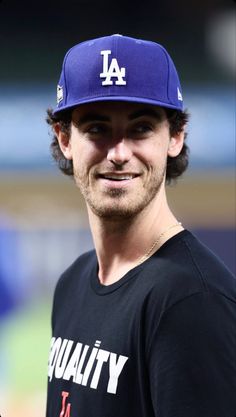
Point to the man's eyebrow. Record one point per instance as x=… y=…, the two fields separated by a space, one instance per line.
x=157 y=114
x=98 y=117
x=91 y=117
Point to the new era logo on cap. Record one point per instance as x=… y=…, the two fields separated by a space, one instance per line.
x=59 y=94
x=118 y=68
x=180 y=97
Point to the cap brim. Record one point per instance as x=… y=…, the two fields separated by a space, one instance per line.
x=117 y=98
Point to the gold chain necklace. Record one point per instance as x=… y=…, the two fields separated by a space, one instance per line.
x=146 y=256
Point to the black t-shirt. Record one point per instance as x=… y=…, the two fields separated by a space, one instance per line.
x=160 y=342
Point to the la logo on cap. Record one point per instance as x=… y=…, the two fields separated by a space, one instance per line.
x=113 y=71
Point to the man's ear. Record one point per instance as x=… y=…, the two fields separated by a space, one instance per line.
x=63 y=140
x=176 y=144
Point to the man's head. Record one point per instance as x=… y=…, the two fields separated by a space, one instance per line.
x=117 y=68
x=114 y=76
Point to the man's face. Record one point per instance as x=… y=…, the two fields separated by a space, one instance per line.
x=119 y=152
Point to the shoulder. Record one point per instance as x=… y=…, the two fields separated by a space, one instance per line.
x=183 y=267
x=75 y=272
x=214 y=274
x=83 y=261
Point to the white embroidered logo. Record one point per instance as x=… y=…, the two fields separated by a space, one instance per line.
x=180 y=97
x=59 y=94
x=114 y=71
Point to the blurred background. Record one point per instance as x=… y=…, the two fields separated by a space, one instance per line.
x=43 y=222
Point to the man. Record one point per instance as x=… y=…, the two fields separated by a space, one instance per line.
x=144 y=325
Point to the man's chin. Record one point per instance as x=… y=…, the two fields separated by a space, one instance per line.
x=115 y=212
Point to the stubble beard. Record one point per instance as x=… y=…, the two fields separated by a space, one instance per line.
x=117 y=204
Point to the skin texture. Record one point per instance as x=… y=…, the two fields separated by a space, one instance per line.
x=119 y=152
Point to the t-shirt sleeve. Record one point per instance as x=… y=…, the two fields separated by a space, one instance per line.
x=191 y=358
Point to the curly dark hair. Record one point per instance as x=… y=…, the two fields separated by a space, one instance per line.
x=175 y=165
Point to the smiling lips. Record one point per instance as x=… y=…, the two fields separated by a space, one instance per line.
x=118 y=177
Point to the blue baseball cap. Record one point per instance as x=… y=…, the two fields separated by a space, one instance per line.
x=118 y=68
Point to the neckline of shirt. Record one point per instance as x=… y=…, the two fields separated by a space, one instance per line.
x=101 y=289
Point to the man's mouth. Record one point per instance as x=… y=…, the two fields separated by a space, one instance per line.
x=117 y=177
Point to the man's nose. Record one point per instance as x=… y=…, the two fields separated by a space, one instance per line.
x=119 y=152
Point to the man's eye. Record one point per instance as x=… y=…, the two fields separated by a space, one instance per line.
x=143 y=128
x=96 y=129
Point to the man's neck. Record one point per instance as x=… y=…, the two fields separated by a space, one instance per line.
x=121 y=243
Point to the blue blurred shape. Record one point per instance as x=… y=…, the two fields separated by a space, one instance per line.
x=9 y=270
